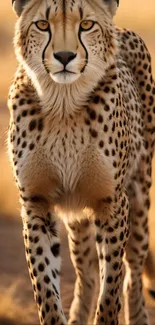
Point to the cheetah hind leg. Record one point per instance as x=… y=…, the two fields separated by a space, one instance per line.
x=136 y=252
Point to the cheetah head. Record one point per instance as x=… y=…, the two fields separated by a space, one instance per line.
x=65 y=40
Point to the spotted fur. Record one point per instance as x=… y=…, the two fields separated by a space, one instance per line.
x=81 y=143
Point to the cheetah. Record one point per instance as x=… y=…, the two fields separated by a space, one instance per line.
x=81 y=142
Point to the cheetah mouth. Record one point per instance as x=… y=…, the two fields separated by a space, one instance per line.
x=65 y=76
x=64 y=72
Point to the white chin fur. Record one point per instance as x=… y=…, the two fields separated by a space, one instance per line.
x=64 y=78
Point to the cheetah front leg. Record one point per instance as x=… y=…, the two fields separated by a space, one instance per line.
x=84 y=257
x=111 y=238
x=42 y=253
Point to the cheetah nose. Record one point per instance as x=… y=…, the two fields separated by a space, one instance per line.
x=65 y=57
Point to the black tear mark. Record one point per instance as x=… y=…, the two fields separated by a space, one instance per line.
x=43 y=55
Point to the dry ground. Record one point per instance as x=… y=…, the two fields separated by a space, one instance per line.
x=16 y=300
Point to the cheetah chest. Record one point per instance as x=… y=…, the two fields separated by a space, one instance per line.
x=82 y=174
x=67 y=166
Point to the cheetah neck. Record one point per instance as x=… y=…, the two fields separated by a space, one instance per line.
x=70 y=98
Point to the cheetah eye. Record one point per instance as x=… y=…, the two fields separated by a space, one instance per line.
x=42 y=25
x=87 y=25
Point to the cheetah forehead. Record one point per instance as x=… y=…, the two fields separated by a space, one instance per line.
x=66 y=5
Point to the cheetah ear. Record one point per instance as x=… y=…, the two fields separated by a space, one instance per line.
x=113 y=4
x=18 y=6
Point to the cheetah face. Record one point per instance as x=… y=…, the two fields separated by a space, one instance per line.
x=67 y=39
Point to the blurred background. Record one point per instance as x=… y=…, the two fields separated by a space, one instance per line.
x=15 y=288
